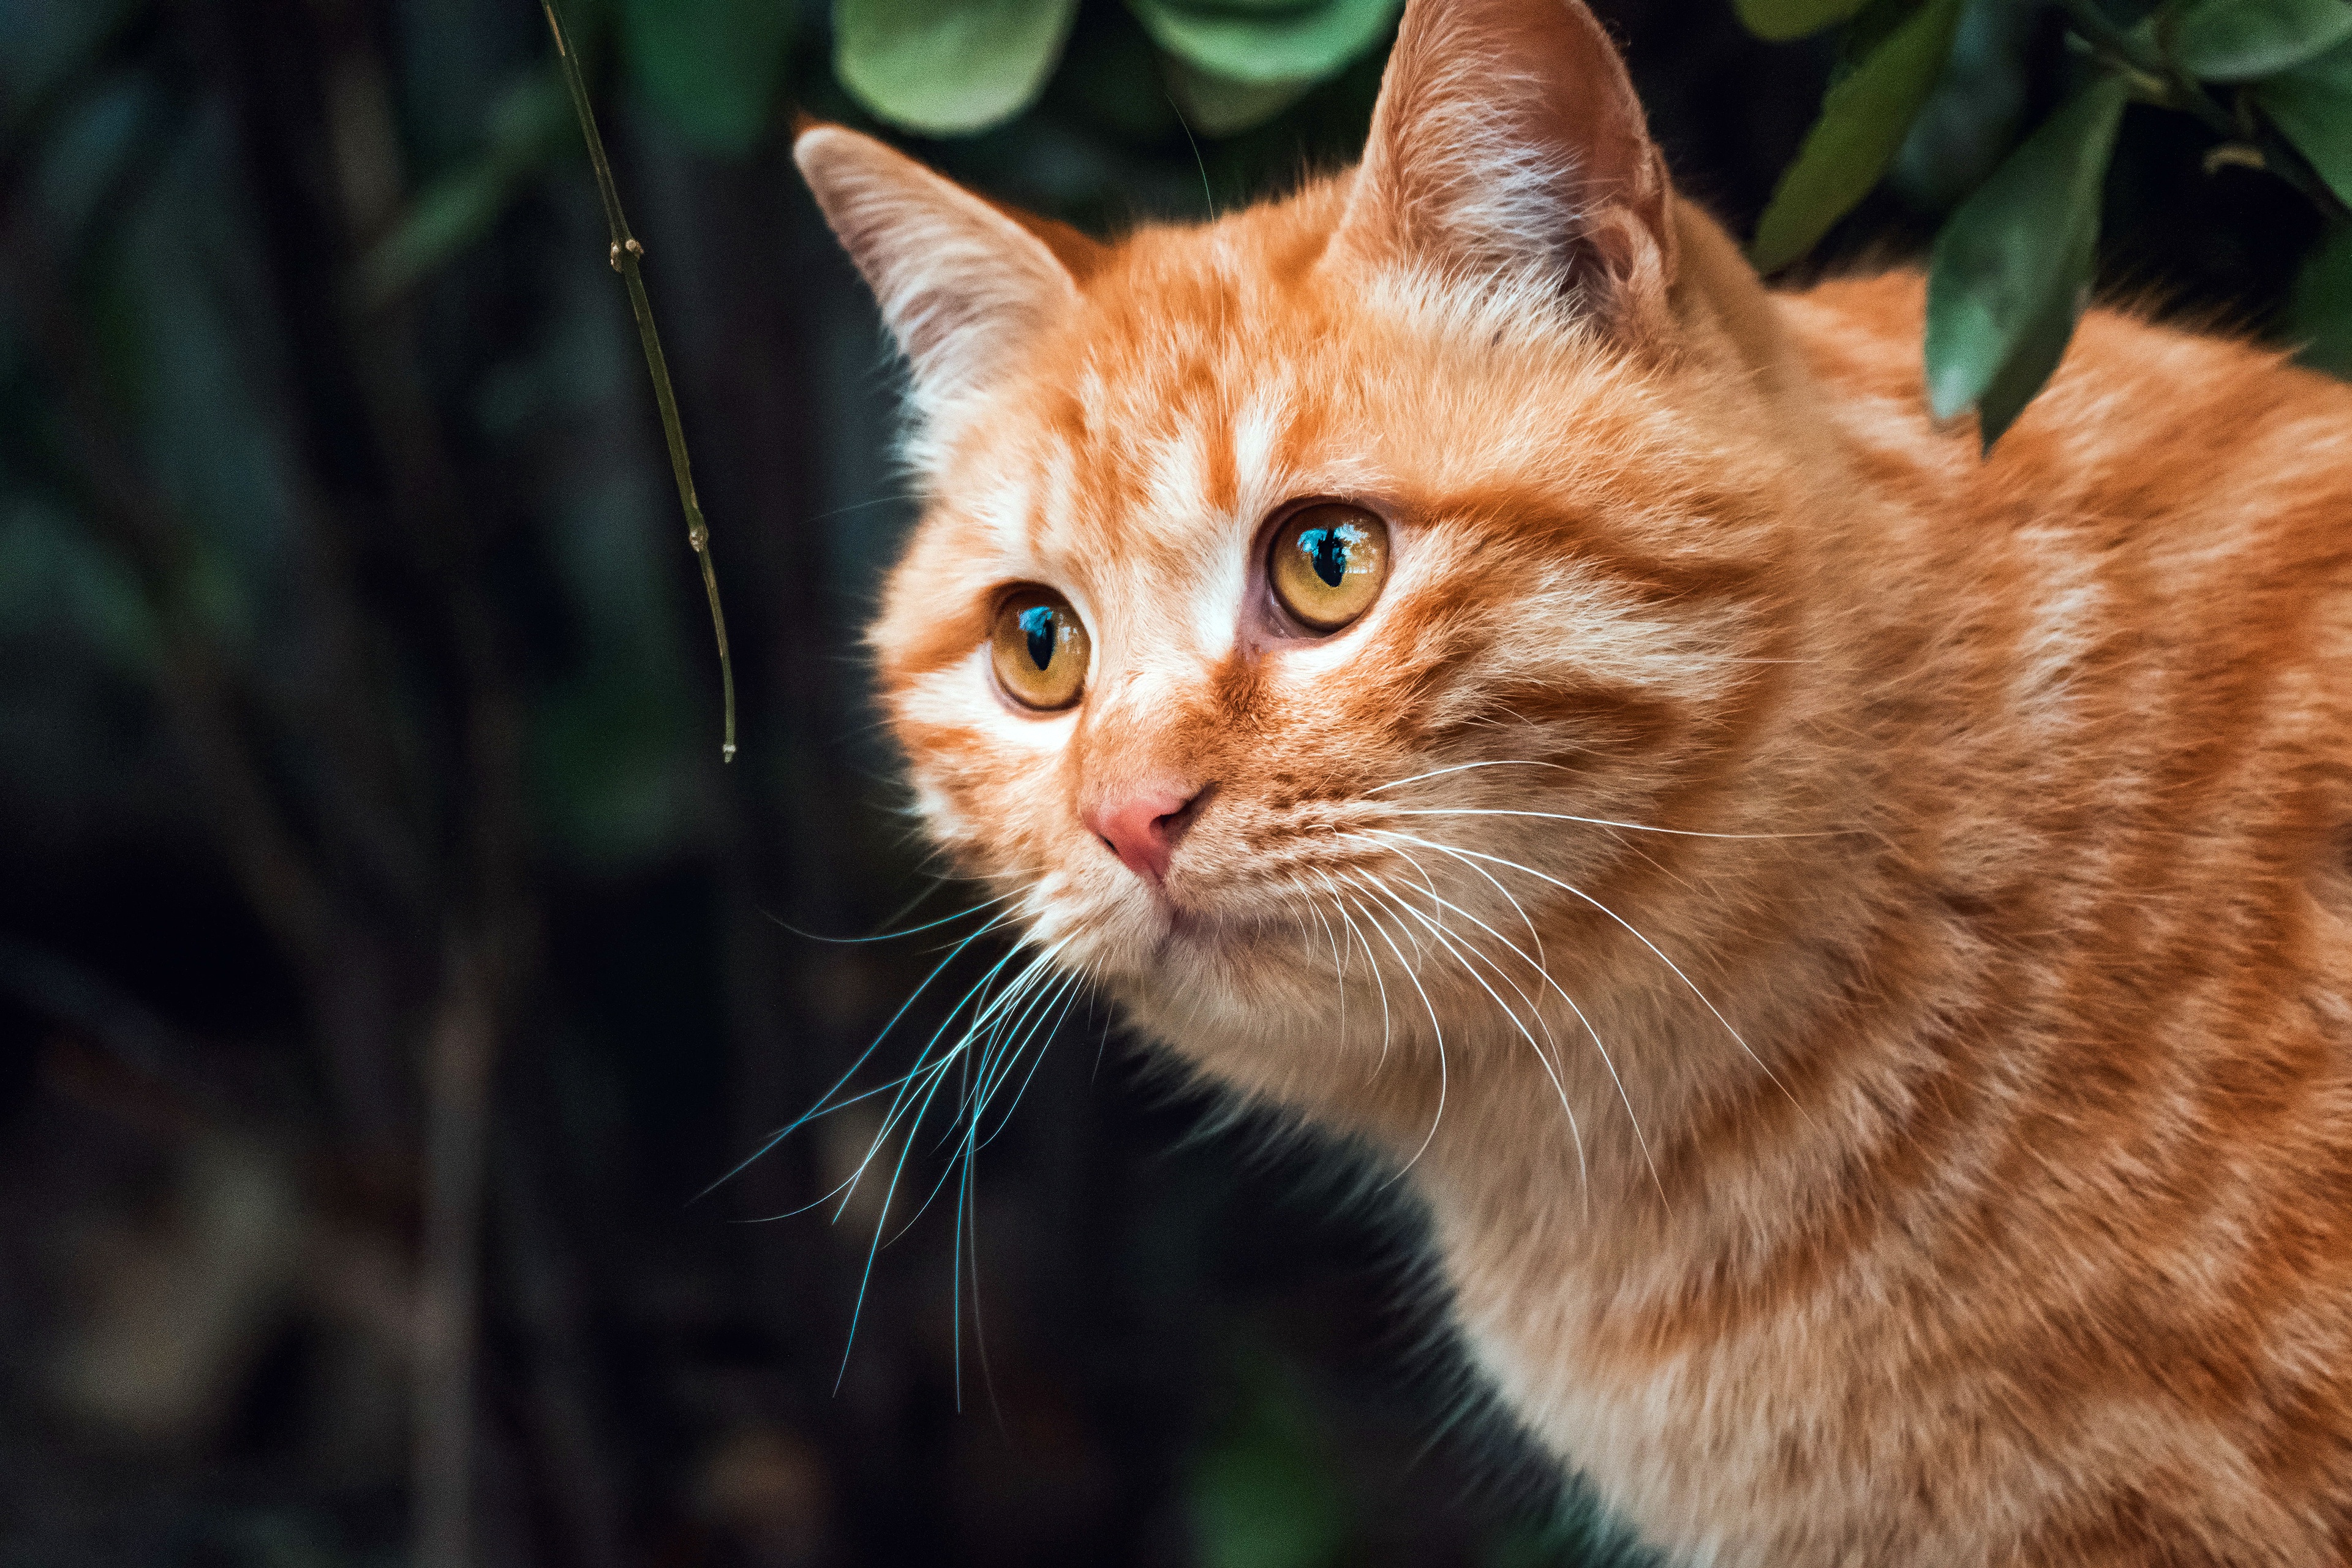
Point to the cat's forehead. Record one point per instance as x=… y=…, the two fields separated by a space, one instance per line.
x=1212 y=374
x=1182 y=401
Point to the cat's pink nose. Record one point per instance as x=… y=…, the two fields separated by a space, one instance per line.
x=1142 y=826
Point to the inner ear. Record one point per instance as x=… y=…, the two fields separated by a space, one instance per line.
x=964 y=285
x=1508 y=141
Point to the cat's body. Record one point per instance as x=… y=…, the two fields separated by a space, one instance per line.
x=1852 y=943
x=2047 y=1255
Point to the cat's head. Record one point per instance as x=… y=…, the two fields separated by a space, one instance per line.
x=1297 y=596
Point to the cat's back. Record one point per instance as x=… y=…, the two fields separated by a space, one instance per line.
x=2105 y=682
x=2130 y=624
x=2157 y=555
x=2148 y=436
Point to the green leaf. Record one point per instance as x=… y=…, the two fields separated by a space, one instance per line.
x=1219 y=106
x=2319 y=310
x=1970 y=120
x=1863 y=119
x=709 y=67
x=2245 y=40
x=2312 y=107
x=530 y=120
x=1263 y=45
x=1783 y=19
x=2012 y=265
x=948 y=67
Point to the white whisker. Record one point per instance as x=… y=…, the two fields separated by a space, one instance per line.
x=1670 y=963
x=1464 y=768
x=1603 y=822
x=1339 y=904
x=1455 y=947
x=1437 y=1028
x=1597 y=1043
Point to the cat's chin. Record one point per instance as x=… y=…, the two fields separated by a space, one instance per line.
x=1221 y=971
x=1169 y=940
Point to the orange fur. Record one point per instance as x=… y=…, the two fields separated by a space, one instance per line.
x=1896 y=1107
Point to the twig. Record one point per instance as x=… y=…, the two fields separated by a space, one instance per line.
x=626 y=256
x=2247 y=143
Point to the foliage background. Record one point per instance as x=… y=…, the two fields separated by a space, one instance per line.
x=387 y=960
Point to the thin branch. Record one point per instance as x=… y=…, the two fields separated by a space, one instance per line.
x=625 y=255
x=2154 y=78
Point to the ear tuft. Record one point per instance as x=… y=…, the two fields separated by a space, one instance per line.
x=962 y=286
x=1508 y=141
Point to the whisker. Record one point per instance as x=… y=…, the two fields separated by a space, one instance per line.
x=1067 y=998
x=1605 y=822
x=935 y=1070
x=888 y=935
x=967 y=1162
x=1339 y=905
x=865 y=1276
x=1031 y=1018
x=1339 y=965
x=1662 y=958
x=994 y=1008
x=824 y=1105
x=1597 y=1043
x=1454 y=946
x=1437 y=1028
x=1464 y=768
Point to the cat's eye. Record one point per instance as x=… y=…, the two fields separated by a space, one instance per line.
x=1328 y=563
x=1040 y=650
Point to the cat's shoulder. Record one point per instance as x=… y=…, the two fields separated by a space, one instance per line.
x=1864 y=332
x=2149 y=422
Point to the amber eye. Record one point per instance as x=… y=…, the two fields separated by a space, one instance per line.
x=1040 y=648
x=1328 y=564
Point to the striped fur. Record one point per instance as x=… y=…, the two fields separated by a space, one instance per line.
x=1853 y=943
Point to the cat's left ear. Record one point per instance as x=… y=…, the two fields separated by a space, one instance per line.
x=1508 y=141
x=963 y=285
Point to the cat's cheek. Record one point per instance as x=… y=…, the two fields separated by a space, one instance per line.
x=948 y=826
x=983 y=772
x=962 y=701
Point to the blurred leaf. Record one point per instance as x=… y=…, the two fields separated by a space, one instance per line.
x=1219 y=106
x=1264 y=1495
x=2011 y=267
x=447 y=216
x=1117 y=76
x=1782 y=19
x=55 y=578
x=47 y=42
x=1264 y=44
x=2245 y=40
x=529 y=123
x=2312 y=107
x=2319 y=310
x=1970 y=120
x=948 y=66
x=708 y=67
x=1864 y=120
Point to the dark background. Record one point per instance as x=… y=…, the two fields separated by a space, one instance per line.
x=387 y=960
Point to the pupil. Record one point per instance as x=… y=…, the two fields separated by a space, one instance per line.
x=1329 y=552
x=1037 y=623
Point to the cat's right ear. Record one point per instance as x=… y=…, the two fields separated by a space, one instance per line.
x=1507 y=143
x=963 y=285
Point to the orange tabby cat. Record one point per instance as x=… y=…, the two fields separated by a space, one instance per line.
x=1852 y=943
